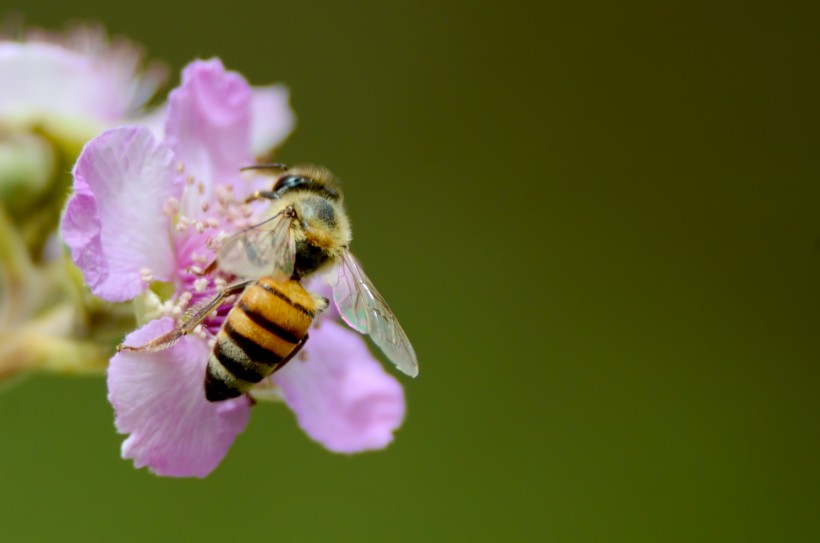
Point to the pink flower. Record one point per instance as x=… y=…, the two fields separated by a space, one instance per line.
x=73 y=85
x=145 y=211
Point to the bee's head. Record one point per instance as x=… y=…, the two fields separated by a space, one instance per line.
x=314 y=213
x=320 y=224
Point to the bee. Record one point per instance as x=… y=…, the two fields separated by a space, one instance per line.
x=307 y=233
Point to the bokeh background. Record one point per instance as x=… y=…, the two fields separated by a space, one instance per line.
x=599 y=224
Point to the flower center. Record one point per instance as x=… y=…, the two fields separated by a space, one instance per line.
x=201 y=224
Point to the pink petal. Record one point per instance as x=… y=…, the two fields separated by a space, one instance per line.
x=159 y=398
x=208 y=124
x=341 y=395
x=272 y=118
x=43 y=80
x=114 y=224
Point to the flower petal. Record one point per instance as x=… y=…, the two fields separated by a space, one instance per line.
x=341 y=395
x=208 y=124
x=272 y=118
x=46 y=80
x=114 y=224
x=159 y=398
x=72 y=86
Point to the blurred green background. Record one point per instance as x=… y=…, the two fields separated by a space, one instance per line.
x=598 y=223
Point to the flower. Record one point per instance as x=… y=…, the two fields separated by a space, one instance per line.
x=58 y=91
x=73 y=85
x=146 y=216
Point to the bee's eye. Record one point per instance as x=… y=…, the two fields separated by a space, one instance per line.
x=283 y=184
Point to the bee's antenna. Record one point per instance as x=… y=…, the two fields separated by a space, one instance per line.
x=271 y=166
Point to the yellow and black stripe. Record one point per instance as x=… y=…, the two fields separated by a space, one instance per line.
x=259 y=335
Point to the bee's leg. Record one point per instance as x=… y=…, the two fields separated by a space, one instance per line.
x=259 y=194
x=195 y=315
x=293 y=353
x=250 y=398
x=267 y=194
x=320 y=302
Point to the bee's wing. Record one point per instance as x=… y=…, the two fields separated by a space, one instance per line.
x=266 y=249
x=363 y=308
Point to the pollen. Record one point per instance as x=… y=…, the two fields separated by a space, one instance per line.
x=201 y=285
x=182 y=224
x=196 y=257
x=167 y=308
x=224 y=194
x=180 y=167
x=170 y=207
x=200 y=331
x=216 y=242
x=147 y=275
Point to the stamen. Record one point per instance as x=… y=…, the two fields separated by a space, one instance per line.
x=183 y=223
x=201 y=285
x=215 y=243
x=170 y=207
x=224 y=194
x=147 y=275
x=167 y=308
x=180 y=167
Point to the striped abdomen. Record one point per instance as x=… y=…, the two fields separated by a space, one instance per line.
x=262 y=329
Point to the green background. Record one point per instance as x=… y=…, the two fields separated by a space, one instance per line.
x=598 y=223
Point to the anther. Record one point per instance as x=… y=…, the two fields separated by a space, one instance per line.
x=170 y=207
x=201 y=284
x=146 y=275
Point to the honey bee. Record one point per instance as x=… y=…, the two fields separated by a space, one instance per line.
x=307 y=232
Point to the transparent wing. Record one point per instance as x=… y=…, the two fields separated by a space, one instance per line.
x=363 y=308
x=266 y=249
